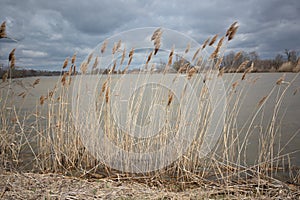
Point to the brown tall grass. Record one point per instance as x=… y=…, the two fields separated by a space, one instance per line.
x=53 y=143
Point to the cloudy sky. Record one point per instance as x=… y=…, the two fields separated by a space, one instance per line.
x=49 y=31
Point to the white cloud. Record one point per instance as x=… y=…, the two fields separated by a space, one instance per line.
x=34 y=54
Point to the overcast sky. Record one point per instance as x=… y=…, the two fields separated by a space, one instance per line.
x=49 y=31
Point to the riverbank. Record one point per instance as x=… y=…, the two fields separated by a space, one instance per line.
x=58 y=186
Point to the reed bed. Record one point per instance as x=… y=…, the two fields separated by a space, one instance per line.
x=46 y=141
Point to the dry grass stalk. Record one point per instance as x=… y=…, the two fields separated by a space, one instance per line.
x=262 y=101
x=65 y=63
x=155 y=34
x=205 y=43
x=280 y=80
x=235 y=84
x=89 y=58
x=3 y=30
x=113 y=67
x=11 y=55
x=248 y=71
x=114 y=49
x=4 y=76
x=221 y=72
x=103 y=47
x=119 y=44
x=96 y=62
x=83 y=67
x=63 y=79
x=213 y=40
x=130 y=57
x=183 y=68
x=73 y=59
x=171 y=56
x=187 y=48
x=199 y=61
x=123 y=56
x=170 y=98
x=237 y=56
x=242 y=65
x=12 y=62
x=191 y=72
x=216 y=51
x=156 y=37
x=37 y=81
x=107 y=95
x=196 y=54
x=42 y=100
x=22 y=94
x=149 y=57
x=230 y=29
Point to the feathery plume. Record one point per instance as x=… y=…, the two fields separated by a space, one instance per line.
x=187 y=48
x=103 y=47
x=196 y=54
x=205 y=43
x=123 y=56
x=280 y=80
x=96 y=62
x=65 y=63
x=213 y=40
x=73 y=59
x=170 y=98
x=3 y=30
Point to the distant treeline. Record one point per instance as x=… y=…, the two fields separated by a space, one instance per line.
x=22 y=73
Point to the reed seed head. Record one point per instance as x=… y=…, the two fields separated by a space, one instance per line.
x=103 y=47
x=213 y=40
x=65 y=63
x=3 y=30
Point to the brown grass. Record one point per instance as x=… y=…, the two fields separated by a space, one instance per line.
x=55 y=145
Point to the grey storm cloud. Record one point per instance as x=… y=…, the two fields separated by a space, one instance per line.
x=49 y=31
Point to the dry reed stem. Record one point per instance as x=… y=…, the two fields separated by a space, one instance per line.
x=221 y=72
x=149 y=58
x=156 y=37
x=113 y=67
x=96 y=62
x=235 y=84
x=4 y=76
x=3 y=30
x=237 y=56
x=242 y=65
x=262 y=100
x=229 y=30
x=248 y=71
x=107 y=93
x=73 y=59
x=11 y=54
x=170 y=56
x=123 y=56
x=83 y=67
x=232 y=34
x=65 y=63
x=213 y=40
x=187 y=48
x=196 y=54
x=170 y=98
x=103 y=47
x=280 y=80
x=37 y=81
x=205 y=43
x=42 y=100
x=89 y=58
x=191 y=72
